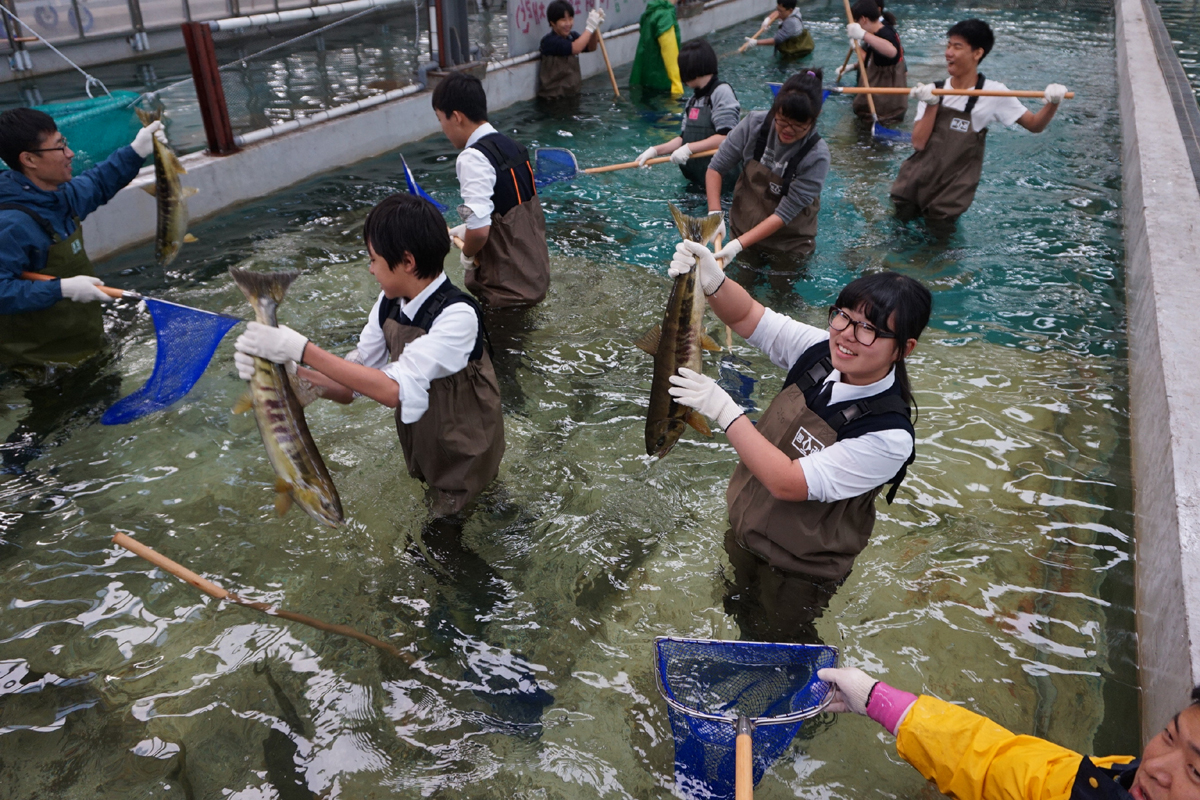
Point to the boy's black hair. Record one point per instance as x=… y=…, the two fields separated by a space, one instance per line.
x=461 y=92
x=559 y=9
x=788 y=4
x=977 y=33
x=800 y=96
x=697 y=58
x=23 y=130
x=405 y=223
x=893 y=303
x=865 y=8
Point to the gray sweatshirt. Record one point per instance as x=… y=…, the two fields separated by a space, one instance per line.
x=790 y=28
x=738 y=149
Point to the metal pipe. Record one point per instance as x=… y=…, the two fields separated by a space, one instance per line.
x=310 y=12
x=324 y=116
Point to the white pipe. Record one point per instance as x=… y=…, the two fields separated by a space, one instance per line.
x=311 y=12
x=324 y=116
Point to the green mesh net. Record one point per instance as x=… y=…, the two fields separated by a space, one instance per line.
x=95 y=126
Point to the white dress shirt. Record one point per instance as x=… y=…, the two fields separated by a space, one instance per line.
x=476 y=180
x=443 y=351
x=1005 y=110
x=849 y=467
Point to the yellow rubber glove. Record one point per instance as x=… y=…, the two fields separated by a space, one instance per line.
x=670 y=56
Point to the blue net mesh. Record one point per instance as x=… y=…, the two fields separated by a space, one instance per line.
x=554 y=164
x=96 y=126
x=758 y=680
x=187 y=338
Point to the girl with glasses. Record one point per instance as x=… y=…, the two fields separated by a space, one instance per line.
x=784 y=163
x=802 y=499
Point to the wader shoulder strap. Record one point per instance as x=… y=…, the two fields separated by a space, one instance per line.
x=887 y=404
x=516 y=163
x=38 y=218
x=973 y=99
x=794 y=163
x=445 y=296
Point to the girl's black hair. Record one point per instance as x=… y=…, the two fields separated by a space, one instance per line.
x=893 y=303
x=697 y=58
x=557 y=10
x=405 y=223
x=976 y=33
x=865 y=8
x=800 y=97
x=888 y=16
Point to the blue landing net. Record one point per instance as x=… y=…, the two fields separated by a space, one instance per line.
x=553 y=164
x=187 y=338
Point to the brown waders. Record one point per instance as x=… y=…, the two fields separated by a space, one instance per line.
x=559 y=77
x=456 y=445
x=757 y=195
x=67 y=332
x=797 y=46
x=891 y=108
x=939 y=182
x=513 y=266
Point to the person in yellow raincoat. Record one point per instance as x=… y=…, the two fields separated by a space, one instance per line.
x=656 y=64
x=970 y=757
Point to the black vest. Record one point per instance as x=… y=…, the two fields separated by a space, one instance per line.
x=1104 y=783
x=880 y=412
x=442 y=298
x=514 y=174
x=789 y=172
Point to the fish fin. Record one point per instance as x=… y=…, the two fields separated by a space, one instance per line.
x=259 y=285
x=695 y=229
x=244 y=403
x=681 y=220
x=175 y=162
x=709 y=343
x=708 y=227
x=187 y=237
x=149 y=189
x=190 y=191
x=147 y=117
x=650 y=339
x=697 y=421
x=283 y=497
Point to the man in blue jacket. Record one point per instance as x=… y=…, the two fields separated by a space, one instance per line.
x=41 y=208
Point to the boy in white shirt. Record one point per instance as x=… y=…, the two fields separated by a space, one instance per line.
x=939 y=180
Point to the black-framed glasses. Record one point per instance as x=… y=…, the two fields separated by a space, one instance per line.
x=864 y=332
x=63 y=147
x=794 y=128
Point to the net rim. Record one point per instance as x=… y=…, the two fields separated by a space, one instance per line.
x=786 y=719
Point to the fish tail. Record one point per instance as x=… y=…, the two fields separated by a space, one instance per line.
x=695 y=229
x=264 y=290
x=148 y=116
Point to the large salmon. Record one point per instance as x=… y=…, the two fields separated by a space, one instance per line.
x=301 y=474
x=677 y=343
x=170 y=196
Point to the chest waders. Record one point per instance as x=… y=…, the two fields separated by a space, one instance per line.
x=890 y=108
x=757 y=195
x=559 y=77
x=939 y=182
x=456 y=446
x=808 y=536
x=699 y=126
x=67 y=332
x=796 y=47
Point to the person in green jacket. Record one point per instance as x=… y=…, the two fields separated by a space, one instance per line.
x=656 y=65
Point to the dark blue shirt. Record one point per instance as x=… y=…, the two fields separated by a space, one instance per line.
x=24 y=245
x=555 y=45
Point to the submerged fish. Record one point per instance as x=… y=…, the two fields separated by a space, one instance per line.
x=301 y=474
x=169 y=194
x=677 y=343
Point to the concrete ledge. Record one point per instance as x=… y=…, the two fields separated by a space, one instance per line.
x=274 y=164
x=1162 y=221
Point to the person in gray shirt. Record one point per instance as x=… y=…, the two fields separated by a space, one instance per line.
x=709 y=115
x=784 y=163
x=792 y=39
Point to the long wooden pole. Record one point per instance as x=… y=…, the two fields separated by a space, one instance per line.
x=862 y=65
x=604 y=52
x=212 y=590
x=108 y=290
x=845 y=61
x=632 y=164
x=1031 y=93
x=746 y=45
x=744 y=760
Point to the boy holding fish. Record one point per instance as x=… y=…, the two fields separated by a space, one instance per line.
x=802 y=498
x=422 y=352
x=41 y=211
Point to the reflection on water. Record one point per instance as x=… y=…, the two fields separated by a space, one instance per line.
x=1000 y=577
x=1182 y=18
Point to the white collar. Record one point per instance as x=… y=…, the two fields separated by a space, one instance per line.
x=483 y=130
x=411 y=307
x=845 y=392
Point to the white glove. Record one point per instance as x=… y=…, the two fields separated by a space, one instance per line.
x=595 y=17
x=768 y=19
x=720 y=231
x=1055 y=93
x=277 y=345
x=143 y=143
x=842 y=71
x=856 y=32
x=458 y=232
x=245 y=365
x=728 y=252
x=702 y=393
x=467 y=262
x=851 y=689
x=686 y=255
x=924 y=93
x=82 y=289
x=646 y=155
x=751 y=41
x=681 y=155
